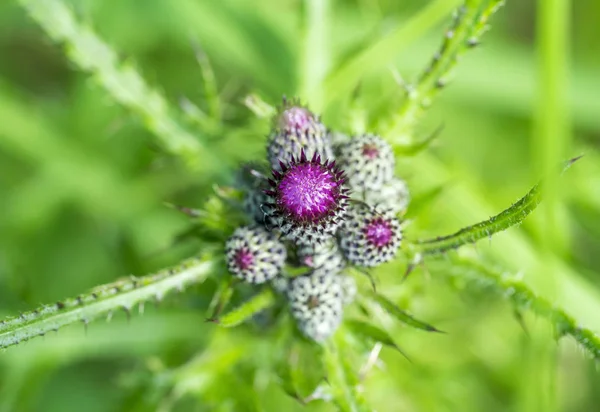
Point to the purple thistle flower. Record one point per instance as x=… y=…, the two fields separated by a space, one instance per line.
x=316 y=301
x=368 y=161
x=307 y=199
x=254 y=255
x=370 y=237
x=295 y=128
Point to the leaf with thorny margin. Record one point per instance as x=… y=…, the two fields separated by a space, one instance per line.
x=482 y=277
x=401 y=315
x=512 y=216
x=368 y=331
x=246 y=310
x=103 y=300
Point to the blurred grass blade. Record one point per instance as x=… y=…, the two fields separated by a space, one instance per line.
x=401 y=315
x=121 y=295
x=86 y=50
x=365 y=330
x=478 y=276
x=341 y=377
x=502 y=221
x=262 y=301
x=380 y=54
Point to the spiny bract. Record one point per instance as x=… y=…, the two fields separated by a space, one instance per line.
x=296 y=129
x=316 y=301
x=368 y=162
x=254 y=255
x=307 y=199
x=370 y=237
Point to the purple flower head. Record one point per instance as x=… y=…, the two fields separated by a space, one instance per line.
x=369 y=236
x=378 y=232
x=295 y=129
x=254 y=255
x=307 y=199
x=368 y=161
x=243 y=259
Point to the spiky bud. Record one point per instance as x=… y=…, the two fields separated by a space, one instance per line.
x=316 y=303
x=254 y=255
x=326 y=256
x=393 y=196
x=307 y=199
x=368 y=162
x=370 y=236
x=295 y=128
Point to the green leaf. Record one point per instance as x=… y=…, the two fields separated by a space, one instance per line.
x=512 y=216
x=302 y=370
x=366 y=330
x=479 y=276
x=102 y=300
x=401 y=315
x=245 y=311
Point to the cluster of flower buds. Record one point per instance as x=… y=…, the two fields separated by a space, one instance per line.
x=326 y=203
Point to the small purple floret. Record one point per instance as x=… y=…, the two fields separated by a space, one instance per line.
x=370 y=151
x=379 y=232
x=308 y=191
x=243 y=259
x=295 y=118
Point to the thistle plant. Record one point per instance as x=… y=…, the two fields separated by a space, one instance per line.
x=302 y=246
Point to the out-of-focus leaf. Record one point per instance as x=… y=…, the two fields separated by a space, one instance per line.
x=245 y=311
x=302 y=370
x=341 y=377
x=367 y=331
x=401 y=315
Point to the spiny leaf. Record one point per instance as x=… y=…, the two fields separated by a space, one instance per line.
x=512 y=216
x=384 y=50
x=259 y=302
x=401 y=315
x=366 y=330
x=123 y=294
x=482 y=277
x=121 y=81
x=470 y=22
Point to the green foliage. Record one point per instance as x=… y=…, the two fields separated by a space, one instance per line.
x=401 y=315
x=242 y=313
x=102 y=300
x=244 y=46
x=506 y=219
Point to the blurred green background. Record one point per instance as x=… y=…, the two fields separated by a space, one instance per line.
x=82 y=187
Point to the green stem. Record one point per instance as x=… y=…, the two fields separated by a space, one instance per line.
x=470 y=22
x=103 y=300
x=316 y=52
